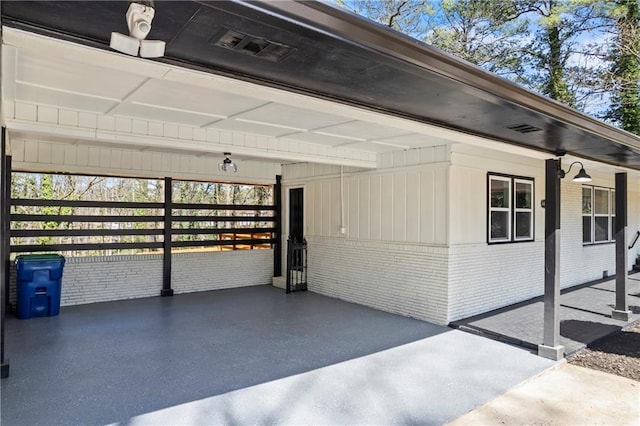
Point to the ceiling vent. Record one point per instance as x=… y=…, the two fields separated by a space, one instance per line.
x=251 y=45
x=524 y=128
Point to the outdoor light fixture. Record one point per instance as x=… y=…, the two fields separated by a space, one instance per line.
x=581 y=177
x=227 y=164
x=139 y=17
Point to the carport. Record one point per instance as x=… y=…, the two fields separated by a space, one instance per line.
x=249 y=355
x=347 y=96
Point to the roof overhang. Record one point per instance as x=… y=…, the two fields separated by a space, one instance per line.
x=338 y=64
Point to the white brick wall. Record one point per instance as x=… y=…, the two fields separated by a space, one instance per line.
x=579 y=263
x=100 y=279
x=483 y=277
x=217 y=270
x=404 y=279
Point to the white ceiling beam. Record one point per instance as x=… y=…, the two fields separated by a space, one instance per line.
x=142 y=142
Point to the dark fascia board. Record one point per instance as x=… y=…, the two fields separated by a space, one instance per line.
x=374 y=37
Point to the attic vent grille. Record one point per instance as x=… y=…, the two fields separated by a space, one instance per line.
x=524 y=128
x=251 y=45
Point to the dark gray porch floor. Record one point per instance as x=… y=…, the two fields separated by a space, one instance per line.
x=585 y=316
x=246 y=356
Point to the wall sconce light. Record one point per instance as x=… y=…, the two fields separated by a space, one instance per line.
x=227 y=164
x=581 y=177
x=139 y=17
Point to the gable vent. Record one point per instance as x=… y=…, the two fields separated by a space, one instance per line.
x=251 y=45
x=524 y=128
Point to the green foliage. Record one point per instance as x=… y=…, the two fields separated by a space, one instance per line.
x=406 y=16
x=625 y=68
x=582 y=53
x=487 y=33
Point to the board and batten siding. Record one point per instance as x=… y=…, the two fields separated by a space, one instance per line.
x=393 y=255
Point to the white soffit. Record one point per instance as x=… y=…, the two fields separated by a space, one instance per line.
x=45 y=71
x=281 y=115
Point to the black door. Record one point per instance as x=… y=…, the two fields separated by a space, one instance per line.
x=296 y=213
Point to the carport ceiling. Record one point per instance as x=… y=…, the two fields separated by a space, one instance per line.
x=163 y=95
x=324 y=52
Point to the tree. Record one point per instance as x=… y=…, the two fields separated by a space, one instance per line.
x=541 y=44
x=406 y=16
x=624 y=78
x=488 y=33
x=563 y=66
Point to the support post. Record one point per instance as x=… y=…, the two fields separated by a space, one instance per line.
x=277 y=202
x=621 y=311
x=550 y=347
x=5 y=226
x=166 y=246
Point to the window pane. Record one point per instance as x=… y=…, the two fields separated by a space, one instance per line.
x=523 y=195
x=500 y=193
x=602 y=229
x=601 y=201
x=523 y=225
x=613 y=203
x=613 y=228
x=586 y=200
x=499 y=225
x=586 y=229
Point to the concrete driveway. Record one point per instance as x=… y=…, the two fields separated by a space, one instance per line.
x=250 y=355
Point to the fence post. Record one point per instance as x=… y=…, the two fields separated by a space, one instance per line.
x=277 y=253
x=166 y=246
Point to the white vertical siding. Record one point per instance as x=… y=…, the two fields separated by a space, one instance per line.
x=400 y=206
x=364 y=216
x=393 y=256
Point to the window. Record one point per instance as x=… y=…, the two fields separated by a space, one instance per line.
x=598 y=215
x=510 y=209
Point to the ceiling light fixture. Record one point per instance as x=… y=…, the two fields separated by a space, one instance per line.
x=139 y=17
x=581 y=177
x=227 y=164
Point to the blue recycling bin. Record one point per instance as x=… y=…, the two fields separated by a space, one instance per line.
x=39 y=281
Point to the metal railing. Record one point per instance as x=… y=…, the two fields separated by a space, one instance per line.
x=635 y=240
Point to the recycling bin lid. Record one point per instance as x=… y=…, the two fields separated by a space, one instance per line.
x=38 y=257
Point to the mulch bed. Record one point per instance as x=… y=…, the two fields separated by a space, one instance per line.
x=617 y=354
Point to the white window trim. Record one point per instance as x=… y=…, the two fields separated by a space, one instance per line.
x=500 y=209
x=589 y=215
x=523 y=210
x=609 y=215
x=511 y=209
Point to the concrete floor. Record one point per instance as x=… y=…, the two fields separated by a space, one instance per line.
x=585 y=316
x=250 y=355
x=566 y=395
